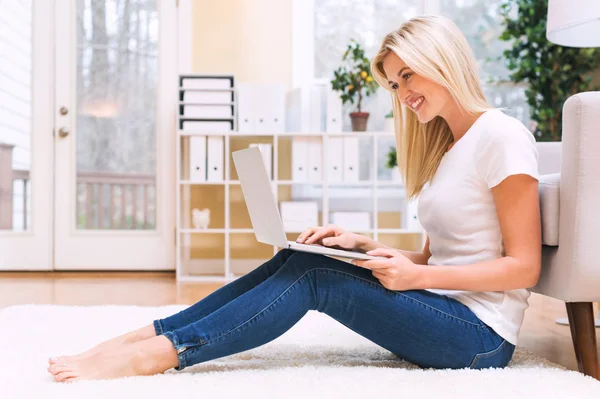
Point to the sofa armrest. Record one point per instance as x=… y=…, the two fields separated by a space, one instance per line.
x=571 y=271
x=549 y=192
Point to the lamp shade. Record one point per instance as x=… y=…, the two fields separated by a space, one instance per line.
x=574 y=23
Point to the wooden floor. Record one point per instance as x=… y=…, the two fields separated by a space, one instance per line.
x=540 y=333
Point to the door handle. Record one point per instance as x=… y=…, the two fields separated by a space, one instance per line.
x=63 y=132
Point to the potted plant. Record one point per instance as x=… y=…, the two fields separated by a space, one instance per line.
x=354 y=80
x=391 y=162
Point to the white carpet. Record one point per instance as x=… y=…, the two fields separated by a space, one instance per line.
x=317 y=358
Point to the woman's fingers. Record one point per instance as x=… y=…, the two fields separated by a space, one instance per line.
x=319 y=234
x=307 y=233
x=387 y=252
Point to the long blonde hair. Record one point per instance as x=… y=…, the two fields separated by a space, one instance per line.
x=436 y=49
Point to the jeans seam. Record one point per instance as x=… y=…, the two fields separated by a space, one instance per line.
x=408 y=297
x=261 y=311
x=486 y=355
x=160 y=327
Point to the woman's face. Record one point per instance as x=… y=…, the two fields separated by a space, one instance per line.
x=424 y=97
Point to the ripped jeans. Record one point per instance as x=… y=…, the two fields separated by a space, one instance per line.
x=424 y=328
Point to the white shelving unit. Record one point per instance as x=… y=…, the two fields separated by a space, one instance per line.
x=221 y=269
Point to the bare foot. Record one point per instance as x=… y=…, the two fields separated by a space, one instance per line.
x=148 y=357
x=129 y=338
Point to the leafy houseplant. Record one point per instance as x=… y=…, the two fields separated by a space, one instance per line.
x=354 y=80
x=391 y=160
x=553 y=73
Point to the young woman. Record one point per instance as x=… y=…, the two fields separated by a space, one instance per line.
x=458 y=303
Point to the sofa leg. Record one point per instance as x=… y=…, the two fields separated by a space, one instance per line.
x=583 y=332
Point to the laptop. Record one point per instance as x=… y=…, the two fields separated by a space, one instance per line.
x=262 y=207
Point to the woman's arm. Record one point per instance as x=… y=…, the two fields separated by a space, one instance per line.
x=419 y=258
x=517 y=207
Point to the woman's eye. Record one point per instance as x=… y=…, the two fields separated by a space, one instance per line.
x=405 y=75
x=394 y=87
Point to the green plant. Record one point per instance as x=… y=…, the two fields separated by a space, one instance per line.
x=553 y=73
x=390 y=114
x=353 y=79
x=391 y=158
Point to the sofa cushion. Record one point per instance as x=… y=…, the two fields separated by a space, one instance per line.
x=548 y=188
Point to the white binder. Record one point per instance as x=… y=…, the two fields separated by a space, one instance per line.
x=246 y=111
x=335 y=159
x=197 y=158
x=300 y=159
x=266 y=152
x=271 y=107
x=316 y=108
x=315 y=159
x=297 y=115
x=215 y=158
x=351 y=161
x=334 y=112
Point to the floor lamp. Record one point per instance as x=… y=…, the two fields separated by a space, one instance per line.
x=574 y=23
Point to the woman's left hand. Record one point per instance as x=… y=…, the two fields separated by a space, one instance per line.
x=395 y=271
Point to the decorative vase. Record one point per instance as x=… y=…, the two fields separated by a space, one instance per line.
x=359 y=121
x=201 y=218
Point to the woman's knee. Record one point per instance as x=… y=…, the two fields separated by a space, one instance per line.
x=307 y=261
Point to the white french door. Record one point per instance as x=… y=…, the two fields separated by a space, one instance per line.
x=90 y=180
x=115 y=103
x=26 y=124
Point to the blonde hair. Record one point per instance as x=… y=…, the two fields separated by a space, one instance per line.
x=433 y=47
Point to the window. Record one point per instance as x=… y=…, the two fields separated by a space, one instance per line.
x=319 y=44
x=368 y=21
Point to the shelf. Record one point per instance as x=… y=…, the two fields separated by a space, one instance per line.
x=349 y=184
x=284 y=134
x=204 y=183
x=251 y=231
x=221 y=253
x=201 y=231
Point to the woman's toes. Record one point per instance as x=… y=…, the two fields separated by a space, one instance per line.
x=64 y=376
x=56 y=360
x=59 y=368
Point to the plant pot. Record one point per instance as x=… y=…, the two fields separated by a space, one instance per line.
x=359 y=121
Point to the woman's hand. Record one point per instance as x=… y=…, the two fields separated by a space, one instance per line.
x=395 y=271
x=330 y=236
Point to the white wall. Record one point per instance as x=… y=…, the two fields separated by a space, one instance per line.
x=248 y=38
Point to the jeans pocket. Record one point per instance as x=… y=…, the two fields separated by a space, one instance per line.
x=498 y=357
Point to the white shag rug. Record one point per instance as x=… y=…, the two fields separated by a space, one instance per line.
x=317 y=358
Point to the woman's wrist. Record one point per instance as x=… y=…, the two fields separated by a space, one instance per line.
x=366 y=244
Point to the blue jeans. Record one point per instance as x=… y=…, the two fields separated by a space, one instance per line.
x=422 y=327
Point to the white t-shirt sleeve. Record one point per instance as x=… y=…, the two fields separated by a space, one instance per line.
x=507 y=151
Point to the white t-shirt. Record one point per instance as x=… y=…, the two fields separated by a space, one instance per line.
x=456 y=209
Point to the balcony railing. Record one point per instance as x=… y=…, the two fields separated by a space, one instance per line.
x=108 y=200
x=104 y=200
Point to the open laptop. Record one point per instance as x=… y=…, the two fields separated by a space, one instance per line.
x=262 y=207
